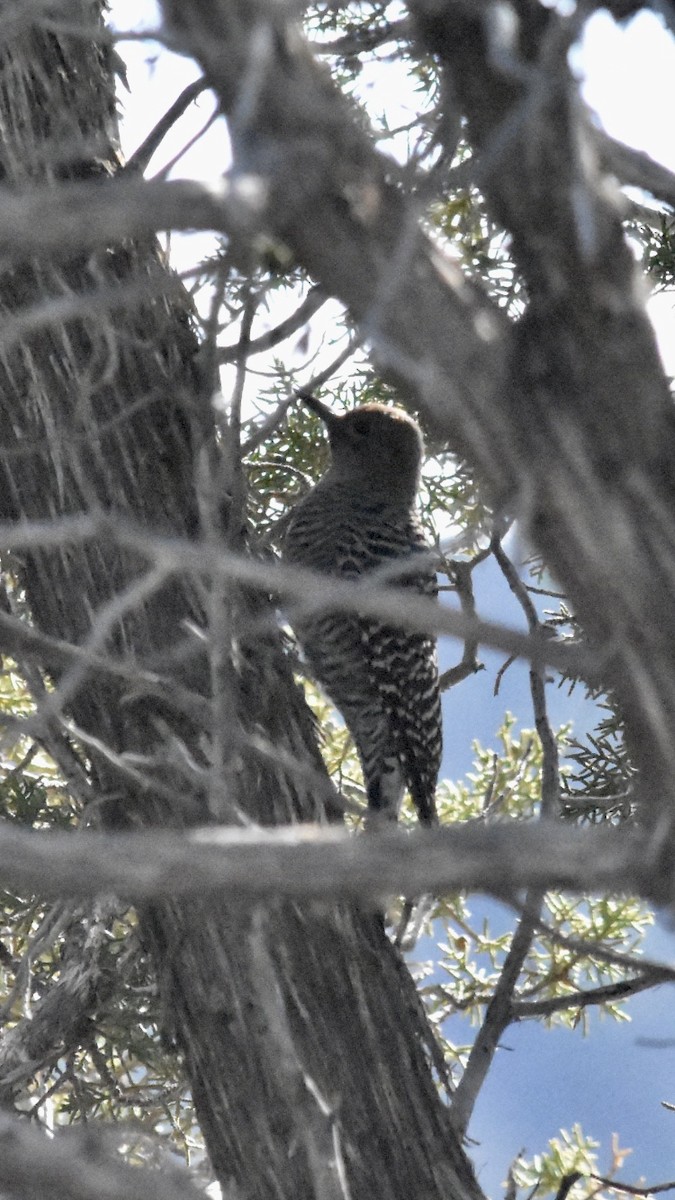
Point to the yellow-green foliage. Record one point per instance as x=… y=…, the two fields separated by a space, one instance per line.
x=571 y=1156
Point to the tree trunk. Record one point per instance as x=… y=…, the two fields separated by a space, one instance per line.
x=305 y=1044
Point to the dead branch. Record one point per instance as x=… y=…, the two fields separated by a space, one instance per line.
x=314 y=862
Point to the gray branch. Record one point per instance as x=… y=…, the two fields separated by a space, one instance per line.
x=82 y=216
x=309 y=861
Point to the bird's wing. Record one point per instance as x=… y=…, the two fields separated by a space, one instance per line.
x=403 y=667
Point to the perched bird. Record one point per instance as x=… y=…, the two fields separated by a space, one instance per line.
x=361 y=517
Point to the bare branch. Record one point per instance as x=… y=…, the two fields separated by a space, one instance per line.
x=608 y=994
x=315 y=298
x=550 y=780
x=86 y=215
x=497 y=1017
x=275 y=418
x=139 y=160
x=638 y=169
x=314 y=590
x=634 y=1189
x=463 y=581
x=590 y=948
x=309 y=861
x=364 y=39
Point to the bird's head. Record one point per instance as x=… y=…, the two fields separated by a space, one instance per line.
x=377 y=448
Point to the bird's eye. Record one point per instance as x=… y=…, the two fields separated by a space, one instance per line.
x=360 y=426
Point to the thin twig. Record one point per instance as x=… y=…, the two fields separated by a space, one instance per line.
x=462 y=575
x=313 y=301
x=140 y=158
x=274 y=420
x=187 y=146
x=634 y=1189
x=363 y=40
x=550 y=782
x=499 y=1013
x=585 y=948
x=368 y=597
x=609 y=993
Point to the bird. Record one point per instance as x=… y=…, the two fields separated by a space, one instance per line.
x=359 y=518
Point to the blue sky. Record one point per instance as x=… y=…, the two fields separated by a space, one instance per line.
x=541 y=1080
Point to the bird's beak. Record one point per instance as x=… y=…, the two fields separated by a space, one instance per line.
x=326 y=414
